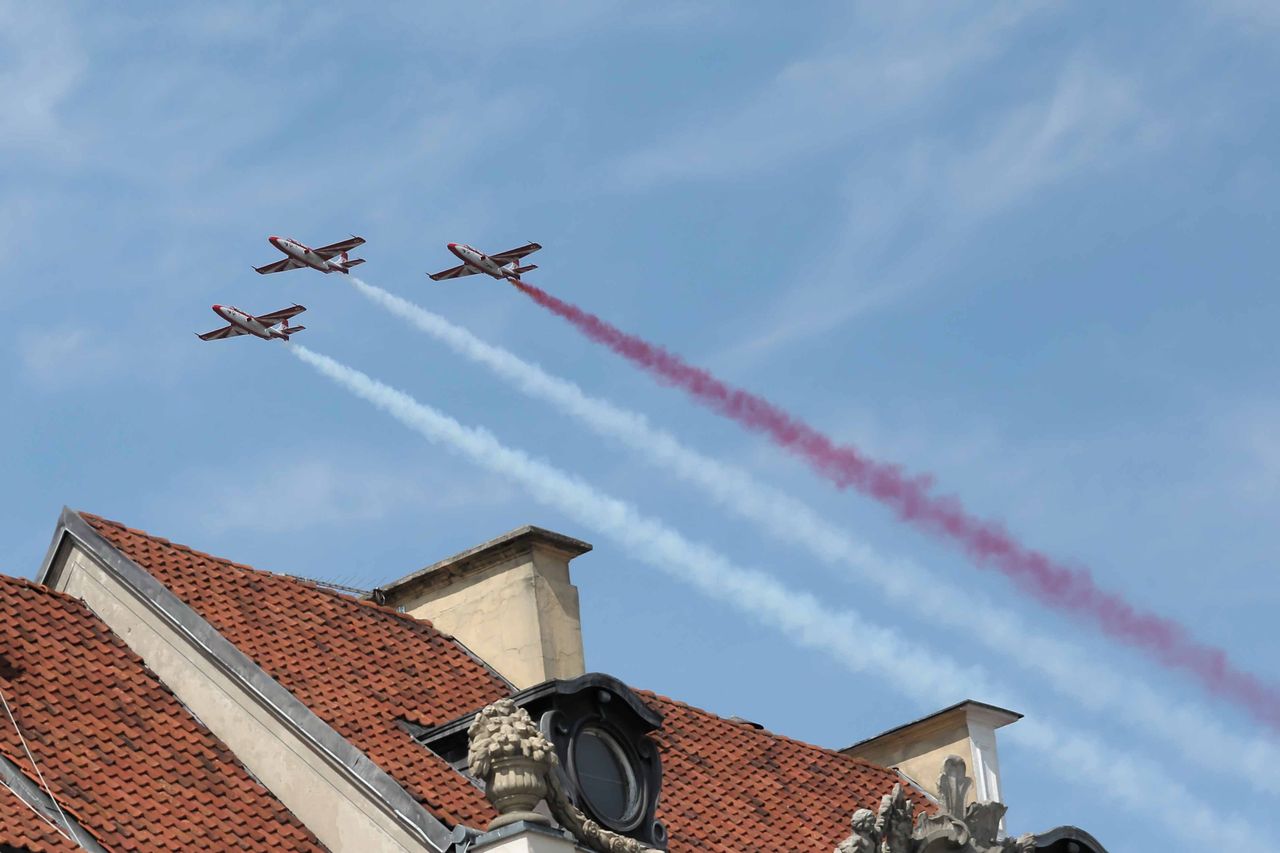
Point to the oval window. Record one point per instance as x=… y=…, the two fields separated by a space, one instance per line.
x=605 y=777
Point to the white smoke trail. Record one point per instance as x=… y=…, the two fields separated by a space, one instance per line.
x=1191 y=731
x=856 y=644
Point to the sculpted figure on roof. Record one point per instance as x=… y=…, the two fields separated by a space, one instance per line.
x=888 y=831
x=863 y=839
x=891 y=829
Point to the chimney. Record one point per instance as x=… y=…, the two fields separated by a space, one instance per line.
x=509 y=600
x=920 y=750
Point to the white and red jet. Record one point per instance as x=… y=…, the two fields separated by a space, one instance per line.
x=502 y=265
x=264 y=326
x=327 y=259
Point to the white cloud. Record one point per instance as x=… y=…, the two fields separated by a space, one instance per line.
x=890 y=58
x=1254 y=15
x=1093 y=118
x=323 y=489
x=945 y=189
x=66 y=355
x=1251 y=435
x=40 y=65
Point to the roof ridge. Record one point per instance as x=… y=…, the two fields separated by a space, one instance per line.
x=423 y=627
x=169 y=543
x=767 y=732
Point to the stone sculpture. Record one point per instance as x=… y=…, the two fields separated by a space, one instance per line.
x=956 y=829
x=516 y=762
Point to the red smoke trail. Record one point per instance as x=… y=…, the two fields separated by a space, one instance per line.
x=987 y=543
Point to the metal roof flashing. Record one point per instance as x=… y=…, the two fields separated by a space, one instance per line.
x=337 y=750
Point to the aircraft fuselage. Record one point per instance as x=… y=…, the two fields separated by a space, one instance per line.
x=248 y=323
x=304 y=254
x=481 y=262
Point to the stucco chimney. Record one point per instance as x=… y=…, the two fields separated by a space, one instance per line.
x=920 y=749
x=509 y=600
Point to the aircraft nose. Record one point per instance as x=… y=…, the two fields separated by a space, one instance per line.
x=453 y=245
x=217 y=308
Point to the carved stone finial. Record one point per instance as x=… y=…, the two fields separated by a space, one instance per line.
x=513 y=758
x=516 y=761
x=953 y=786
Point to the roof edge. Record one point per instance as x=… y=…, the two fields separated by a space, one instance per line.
x=13 y=777
x=465 y=560
x=1003 y=717
x=1069 y=833
x=237 y=666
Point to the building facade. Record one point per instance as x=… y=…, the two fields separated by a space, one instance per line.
x=159 y=698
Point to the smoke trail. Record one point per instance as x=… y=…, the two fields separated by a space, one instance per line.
x=988 y=544
x=1197 y=736
x=850 y=640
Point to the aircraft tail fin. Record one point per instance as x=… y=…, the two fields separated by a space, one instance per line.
x=524 y=269
x=290 y=330
x=344 y=263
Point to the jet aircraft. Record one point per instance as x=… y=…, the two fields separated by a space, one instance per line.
x=502 y=265
x=263 y=326
x=327 y=259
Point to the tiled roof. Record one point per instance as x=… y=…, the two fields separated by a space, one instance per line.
x=22 y=829
x=726 y=785
x=729 y=786
x=359 y=666
x=118 y=750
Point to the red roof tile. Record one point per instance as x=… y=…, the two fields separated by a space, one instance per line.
x=358 y=666
x=118 y=750
x=727 y=786
x=23 y=829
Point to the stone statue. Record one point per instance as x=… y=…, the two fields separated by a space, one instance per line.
x=893 y=823
x=516 y=762
x=956 y=829
x=863 y=839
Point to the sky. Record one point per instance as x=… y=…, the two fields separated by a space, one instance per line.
x=1026 y=248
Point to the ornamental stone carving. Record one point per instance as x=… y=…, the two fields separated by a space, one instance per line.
x=953 y=786
x=516 y=763
x=956 y=829
x=886 y=831
x=512 y=757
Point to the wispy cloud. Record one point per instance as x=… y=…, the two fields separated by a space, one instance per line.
x=63 y=356
x=844 y=635
x=947 y=188
x=889 y=58
x=1251 y=435
x=1186 y=728
x=287 y=495
x=1262 y=16
x=40 y=65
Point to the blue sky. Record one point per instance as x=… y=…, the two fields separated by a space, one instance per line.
x=1026 y=247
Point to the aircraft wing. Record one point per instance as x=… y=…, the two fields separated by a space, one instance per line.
x=452 y=272
x=516 y=254
x=280 y=266
x=332 y=249
x=283 y=314
x=224 y=332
